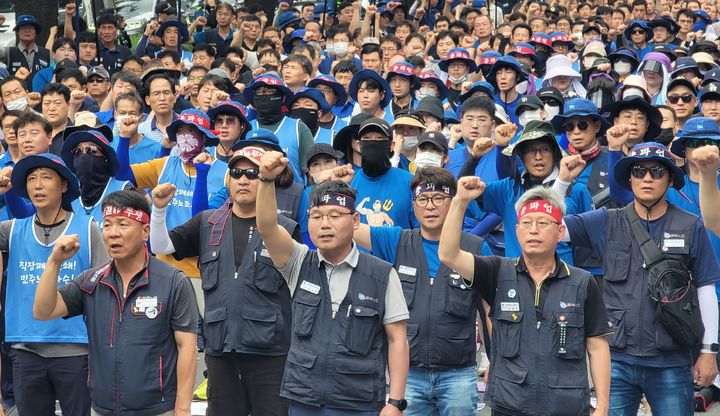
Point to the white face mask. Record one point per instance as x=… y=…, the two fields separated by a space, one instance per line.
x=632 y=91
x=18 y=105
x=622 y=68
x=522 y=87
x=409 y=143
x=588 y=61
x=458 y=80
x=330 y=48
x=425 y=159
x=424 y=92
x=341 y=48
x=580 y=42
x=528 y=116
x=551 y=111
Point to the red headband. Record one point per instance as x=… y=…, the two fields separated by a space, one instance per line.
x=127 y=212
x=542 y=207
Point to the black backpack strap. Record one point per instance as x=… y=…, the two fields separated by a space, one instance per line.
x=648 y=247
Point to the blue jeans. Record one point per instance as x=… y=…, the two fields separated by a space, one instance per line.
x=669 y=391
x=450 y=392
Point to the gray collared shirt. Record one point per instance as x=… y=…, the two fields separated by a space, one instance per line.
x=339 y=281
x=28 y=52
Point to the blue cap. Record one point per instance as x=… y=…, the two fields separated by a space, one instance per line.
x=330 y=81
x=685 y=63
x=506 y=62
x=25 y=20
x=625 y=53
x=364 y=74
x=695 y=128
x=287 y=18
x=578 y=107
x=641 y=24
x=313 y=94
x=478 y=86
x=644 y=152
x=266 y=80
x=710 y=76
x=44 y=160
x=230 y=107
x=93 y=136
x=458 y=54
x=194 y=118
x=259 y=137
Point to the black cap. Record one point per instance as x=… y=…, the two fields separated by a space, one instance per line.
x=165 y=7
x=323 y=149
x=435 y=138
x=551 y=93
x=64 y=64
x=711 y=89
x=432 y=106
x=349 y=133
x=681 y=81
x=662 y=48
x=531 y=102
x=377 y=124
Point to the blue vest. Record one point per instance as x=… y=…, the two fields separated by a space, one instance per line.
x=26 y=263
x=328 y=135
x=95 y=211
x=288 y=132
x=180 y=208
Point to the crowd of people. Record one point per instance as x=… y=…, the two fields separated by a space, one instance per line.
x=363 y=209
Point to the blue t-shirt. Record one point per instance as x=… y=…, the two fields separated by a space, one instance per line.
x=510 y=108
x=43 y=77
x=325 y=66
x=589 y=229
x=385 y=242
x=107 y=118
x=385 y=200
x=143 y=151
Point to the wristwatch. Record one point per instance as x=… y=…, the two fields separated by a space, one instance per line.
x=266 y=180
x=400 y=404
x=714 y=348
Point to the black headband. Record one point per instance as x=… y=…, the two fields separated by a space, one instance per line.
x=337 y=199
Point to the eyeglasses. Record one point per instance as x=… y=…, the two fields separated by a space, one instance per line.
x=656 y=172
x=332 y=216
x=237 y=173
x=686 y=98
x=638 y=32
x=96 y=81
x=526 y=223
x=88 y=150
x=695 y=143
x=581 y=125
x=437 y=200
x=544 y=150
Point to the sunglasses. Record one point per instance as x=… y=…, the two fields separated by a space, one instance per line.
x=88 y=150
x=237 y=173
x=656 y=172
x=570 y=126
x=695 y=143
x=638 y=32
x=686 y=98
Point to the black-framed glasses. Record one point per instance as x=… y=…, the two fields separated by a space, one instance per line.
x=638 y=32
x=570 y=126
x=332 y=216
x=437 y=200
x=88 y=150
x=686 y=98
x=237 y=173
x=695 y=143
x=656 y=172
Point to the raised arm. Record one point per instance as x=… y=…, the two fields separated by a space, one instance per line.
x=617 y=137
x=707 y=159
x=49 y=304
x=463 y=262
x=159 y=238
x=278 y=241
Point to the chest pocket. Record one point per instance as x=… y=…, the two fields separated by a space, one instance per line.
x=266 y=276
x=618 y=263
x=209 y=268
x=459 y=301
x=569 y=335
x=361 y=328
x=507 y=333
x=304 y=312
x=409 y=283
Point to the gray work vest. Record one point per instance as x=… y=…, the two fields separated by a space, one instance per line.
x=441 y=328
x=247 y=309
x=625 y=288
x=529 y=375
x=338 y=362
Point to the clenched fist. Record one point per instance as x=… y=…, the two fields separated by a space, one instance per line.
x=163 y=194
x=469 y=188
x=272 y=164
x=65 y=247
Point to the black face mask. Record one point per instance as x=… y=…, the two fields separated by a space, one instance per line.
x=269 y=108
x=540 y=64
x=92 y=172
x=270 y=68
x=309 y=117
x=665 y=136
x=375 y=157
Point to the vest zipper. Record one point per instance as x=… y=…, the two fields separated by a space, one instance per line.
x=427 y=322
x=162 y=392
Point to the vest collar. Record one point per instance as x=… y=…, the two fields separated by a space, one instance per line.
x=351 y=259
x=140 y=279
x=561 y=269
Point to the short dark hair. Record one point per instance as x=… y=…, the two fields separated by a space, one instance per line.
x=299 y=49
x=174 y=55
x=149 y=81
x=107 y=19
x=71 y=73
x=479 y=103
x=370 y=83
x=60 y=42
x=10 y=113
x=225 y=5
x=12 y=78
x=267 y=52
x=417 y=36
x=127 y=76
x=371 y=48
x=230 y=65
x=334 y=187
x=195 y=68
x=129 y=96
x=638 y=3
x=86 y=37
x=460 y=25
x=217 y=81
x=133 y=59
x=251 y=18
x=56 y=88
x=235 y=50
x=204 y=47
x=301 y=60
x=434 y=174
x=127 y=198
x=685 y=12
x=517 y=16
x=30 y=117
x=346 y=65
x=521 y=26
x=448 y=34
x=263 y=43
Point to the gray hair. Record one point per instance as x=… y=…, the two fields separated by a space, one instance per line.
x=550 y=195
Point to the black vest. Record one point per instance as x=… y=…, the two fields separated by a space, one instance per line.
x=288 y=200
x=212 y=37
x=441 y=328
x=338 y=362
x=585 y=257
x=529 y=375
x=625 y=289
x=247 y=309
x=133 y=355
x=16 y=60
